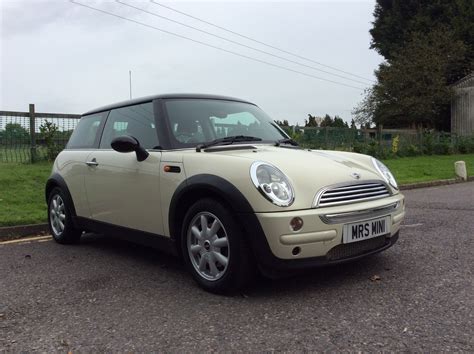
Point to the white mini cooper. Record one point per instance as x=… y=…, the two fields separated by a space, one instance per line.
x=214 y=180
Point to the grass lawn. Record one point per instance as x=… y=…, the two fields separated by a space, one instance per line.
x=22 y=185
x=22 y=193
x=428 y=168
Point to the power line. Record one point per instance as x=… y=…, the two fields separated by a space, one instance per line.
x=238 y=43
x=213 y=46
x=259 y=42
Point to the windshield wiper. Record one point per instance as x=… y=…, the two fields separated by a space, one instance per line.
x=286 y=141
x=227 y=141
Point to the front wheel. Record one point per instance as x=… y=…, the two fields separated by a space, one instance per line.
x=60 y=219
x=214 y=249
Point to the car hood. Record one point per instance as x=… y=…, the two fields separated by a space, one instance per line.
x=309 y=171
x=323 y=168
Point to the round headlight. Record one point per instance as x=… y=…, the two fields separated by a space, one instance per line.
x=385 y=172
x=272 y=183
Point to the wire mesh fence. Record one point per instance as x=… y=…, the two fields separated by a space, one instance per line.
x=383 y=143
x=30 y=136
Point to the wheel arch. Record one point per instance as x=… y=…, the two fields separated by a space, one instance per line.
x=203 y=186
x=55 y=180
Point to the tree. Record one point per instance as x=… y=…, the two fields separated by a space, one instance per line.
x=397 y=20
x=353 y=124
x=282 y=124
x=428 y=45
x=312 y=121
x=339 y=123
x=327 y=121
x=364 y=112
x=15 y=133
x=413 y=87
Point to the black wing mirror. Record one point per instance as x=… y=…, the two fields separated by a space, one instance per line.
x=128 y=143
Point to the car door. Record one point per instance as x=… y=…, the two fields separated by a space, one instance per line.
x=120 y=189
x=71 y=163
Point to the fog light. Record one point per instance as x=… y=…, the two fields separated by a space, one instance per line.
x=296 y=251
x=296 y=224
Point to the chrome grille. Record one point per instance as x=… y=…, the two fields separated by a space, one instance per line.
x=352 y=193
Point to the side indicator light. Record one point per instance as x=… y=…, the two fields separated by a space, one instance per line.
x=172 y=169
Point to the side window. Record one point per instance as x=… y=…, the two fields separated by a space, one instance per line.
x=84 y=135
x=137 y=121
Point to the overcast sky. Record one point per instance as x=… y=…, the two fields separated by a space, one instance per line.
x=69 y=59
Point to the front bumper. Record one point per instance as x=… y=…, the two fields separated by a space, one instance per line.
x=319 y=242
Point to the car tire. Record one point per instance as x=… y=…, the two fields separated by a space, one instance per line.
x=60 y=220
x=218 y=258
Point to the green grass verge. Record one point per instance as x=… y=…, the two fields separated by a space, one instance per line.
x=427 y=168
x=22 y=185
x=22 y=193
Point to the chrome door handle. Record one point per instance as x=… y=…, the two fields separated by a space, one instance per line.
x=92 y=162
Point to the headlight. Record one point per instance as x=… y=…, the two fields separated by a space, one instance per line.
x=272 y=183
x=385 y=172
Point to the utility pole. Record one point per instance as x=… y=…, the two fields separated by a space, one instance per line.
x=130 y=80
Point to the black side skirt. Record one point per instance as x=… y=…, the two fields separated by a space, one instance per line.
x=160 y=242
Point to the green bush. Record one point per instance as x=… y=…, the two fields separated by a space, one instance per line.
x=48 y=131
x=442 y=147
x=464 y=145
x=412 y=150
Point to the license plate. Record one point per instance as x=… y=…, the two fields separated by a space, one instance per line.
x=364 y=230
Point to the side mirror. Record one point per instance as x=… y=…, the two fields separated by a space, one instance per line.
x=128 y=143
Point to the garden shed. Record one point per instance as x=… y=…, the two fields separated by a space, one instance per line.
x=462 y=106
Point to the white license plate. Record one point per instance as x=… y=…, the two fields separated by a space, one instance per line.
x=364 y=230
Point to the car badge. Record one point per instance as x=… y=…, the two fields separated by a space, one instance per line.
x=355 y=175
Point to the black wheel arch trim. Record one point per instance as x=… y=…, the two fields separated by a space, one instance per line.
x=214 y=185
x=56 y=180
x=210 y=183
x=241 y=207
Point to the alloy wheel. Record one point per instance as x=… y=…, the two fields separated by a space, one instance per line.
x=208 y=246
x=57 y=214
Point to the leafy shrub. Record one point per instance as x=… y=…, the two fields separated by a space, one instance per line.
x=412 y=150
x=464 y=145
x=48 y=131
x=442 y=147
x=428 y=142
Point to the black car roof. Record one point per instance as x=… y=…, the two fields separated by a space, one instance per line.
x=165 y=96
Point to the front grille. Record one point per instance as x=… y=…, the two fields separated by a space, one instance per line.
x=348 y=250
x=353 y=193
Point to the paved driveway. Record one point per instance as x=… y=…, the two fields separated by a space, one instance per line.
x=112 y=295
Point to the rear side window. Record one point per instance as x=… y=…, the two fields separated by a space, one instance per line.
x=86 y=133
x=137 y=121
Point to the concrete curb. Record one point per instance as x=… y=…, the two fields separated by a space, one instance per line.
x=14 y=232
x=440 y=182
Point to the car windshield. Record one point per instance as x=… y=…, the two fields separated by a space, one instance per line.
x=201 y=121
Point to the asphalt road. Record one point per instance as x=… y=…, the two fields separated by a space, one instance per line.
x=111 y=295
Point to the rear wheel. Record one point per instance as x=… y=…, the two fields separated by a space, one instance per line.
x=60 y=219
x=214 y=249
